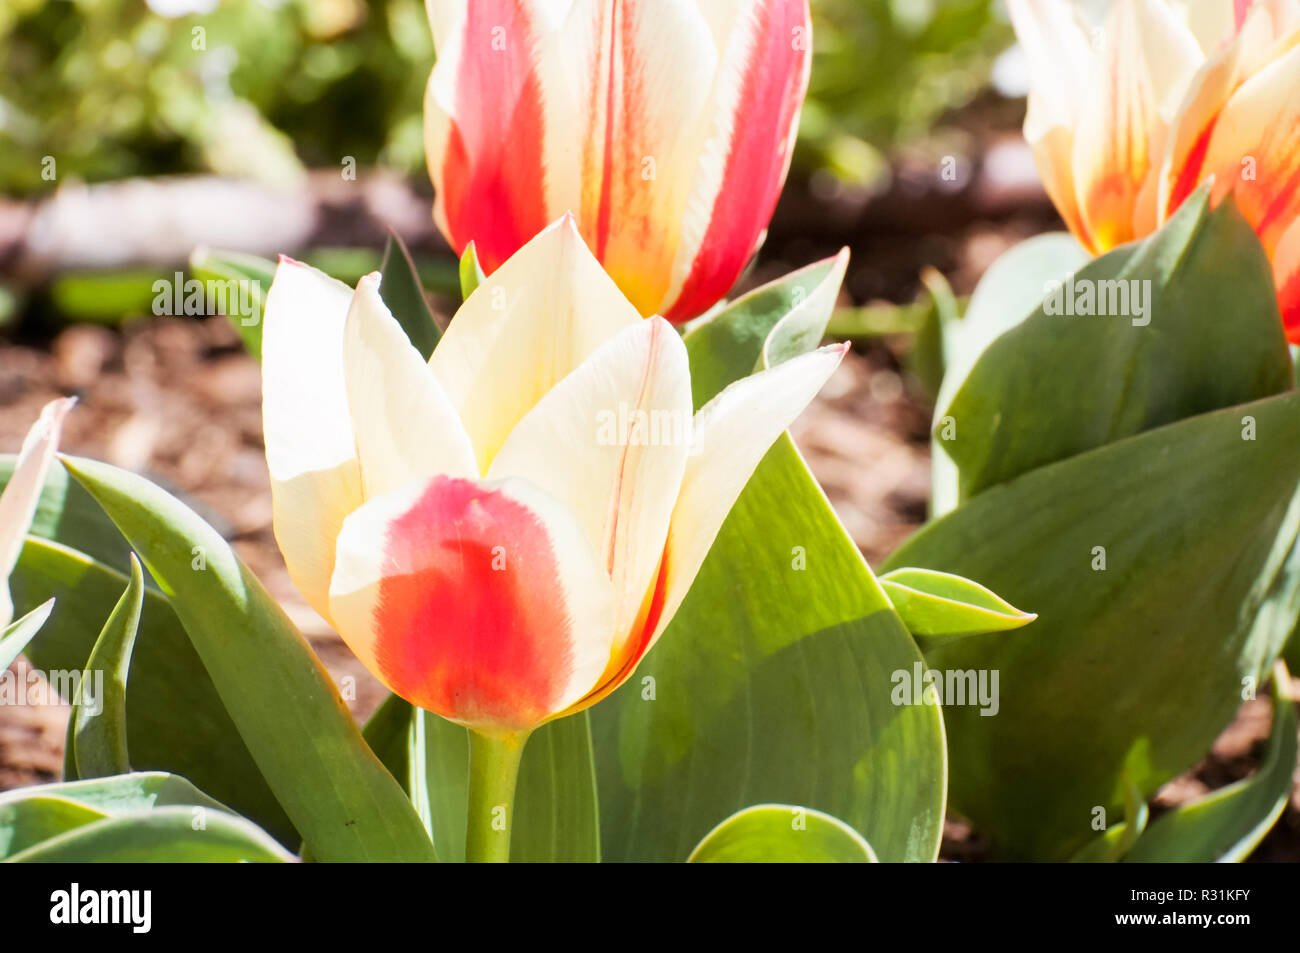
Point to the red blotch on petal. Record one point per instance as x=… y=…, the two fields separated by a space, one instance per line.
x=492 y=174
x=479 y=632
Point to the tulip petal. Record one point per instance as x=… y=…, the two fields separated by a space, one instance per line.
x=632 y=81
x=733 y=431
x=529 y=324
x=23 y=491
x=404 y=424
x=758 y=90
x=480 y=601
x=611 y=442
x=1150 y=58
x=1254 y=151
x=310 y=450
x=1060 y=63
x=485 y=126
x=1286 y=276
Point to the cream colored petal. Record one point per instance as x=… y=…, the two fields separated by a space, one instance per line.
x=404 y=424
x=611 y=442
x=527 y=326
x=310 y=450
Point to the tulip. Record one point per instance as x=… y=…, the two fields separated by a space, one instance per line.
x=23 y=492
x=501 y=534
x=665 y=126
x=1125 y=122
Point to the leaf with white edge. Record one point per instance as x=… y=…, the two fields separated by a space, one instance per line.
x=1226 y=825
x=21 y=631
x=1157 y=351
x=1164 y=571
x=165 y=835
x=403 y=292
x=943 y=605
x=782 y=834
x=760 y=329
x=279 y=694
x=98 y=719
x=178 y=722
x=34 y=814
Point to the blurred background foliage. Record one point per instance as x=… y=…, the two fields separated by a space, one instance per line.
x=265 y=88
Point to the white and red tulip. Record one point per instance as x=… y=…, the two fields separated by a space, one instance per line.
x=23 y=491
x=478 y=528
x=1128 y=117
x=665 y=126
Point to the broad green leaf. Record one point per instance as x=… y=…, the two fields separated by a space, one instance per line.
x=1057 y=385
x=34 y=814
x=402 y=291
x=1227 y=824
x=67 y=514
x=555 y=802
x=556 y=816
x=19 y=633
x=1163 y=569
x=36 y=818
x=290 y=715
x=769 y=324
x=939 y=604
x=782 y=834
x=772 y=684
x=177 y=722
x=245 y=275
x=165 y=835
x=471 y=272
x=1009 y=291
x=98 y=719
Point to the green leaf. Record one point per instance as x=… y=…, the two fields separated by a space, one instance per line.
x=67 y=514
x=1112 y=845
x=1057 y=385
x=471 y=272
x=165 y=835
x=34 y=814
x=98 y=719
x=555 y=802
x=338 y=795
x=1227 y=824
x=31 y=820
x=1143 y=659
x=402 y=291
x=177 y=722
x=251 y=275
x=1009 y=291
x=18 y=634
x=782 y=834
x=772 y=684
x=939 y=604
x=769 y=324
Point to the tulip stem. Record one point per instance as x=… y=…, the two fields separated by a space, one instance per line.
x=493 y=771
